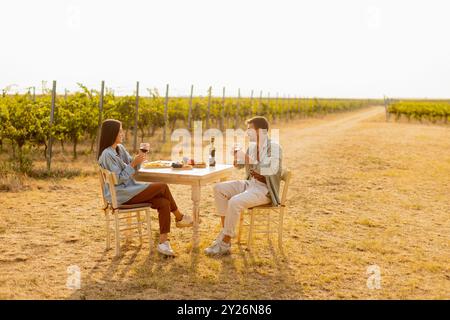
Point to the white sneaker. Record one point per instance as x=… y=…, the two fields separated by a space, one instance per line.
x=165 y=249
x=220 y=248
x=186 y=221
x=218 y=239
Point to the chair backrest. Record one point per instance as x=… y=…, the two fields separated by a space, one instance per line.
x=108 y=178
x=285 y=177
x=102 y=187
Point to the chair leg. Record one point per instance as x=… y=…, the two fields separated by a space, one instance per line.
x=117 y=231
x=138 y=217
x=108 y=230
x=250 y=229
x=280 y=229
x=149 y=228
x=129 y=221
x=241 y=225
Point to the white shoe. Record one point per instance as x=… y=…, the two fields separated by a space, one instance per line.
x=219 y=249
x=165 y=249
x=218 y=239
x=186 y=221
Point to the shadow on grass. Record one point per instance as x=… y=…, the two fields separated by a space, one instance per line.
x=263 y=273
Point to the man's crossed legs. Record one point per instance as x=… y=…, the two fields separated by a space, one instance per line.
x=231 y=198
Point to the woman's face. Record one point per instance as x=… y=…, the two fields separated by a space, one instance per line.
x=119 y=137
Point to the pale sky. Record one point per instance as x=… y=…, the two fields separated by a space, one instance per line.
x=324 y=48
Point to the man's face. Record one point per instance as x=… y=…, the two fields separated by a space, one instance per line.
x=252 y=132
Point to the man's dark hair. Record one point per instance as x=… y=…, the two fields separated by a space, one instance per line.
x=259 y=122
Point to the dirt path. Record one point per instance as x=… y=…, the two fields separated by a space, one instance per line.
x=319 y=133
x=364 y=192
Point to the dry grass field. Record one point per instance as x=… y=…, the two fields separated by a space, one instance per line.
x=364 y=192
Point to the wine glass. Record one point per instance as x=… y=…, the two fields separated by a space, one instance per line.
x=236 y=148
x=144 y=147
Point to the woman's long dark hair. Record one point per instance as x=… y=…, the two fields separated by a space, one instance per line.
x=108 y=134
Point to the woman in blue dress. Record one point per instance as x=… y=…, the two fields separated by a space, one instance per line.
x=114 y=157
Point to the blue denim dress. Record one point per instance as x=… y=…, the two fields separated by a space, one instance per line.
x=127 y=187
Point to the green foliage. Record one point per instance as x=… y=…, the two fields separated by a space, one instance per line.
x=24 y=121
x=431 y=110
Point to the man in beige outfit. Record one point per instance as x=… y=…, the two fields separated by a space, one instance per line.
x=262 y=163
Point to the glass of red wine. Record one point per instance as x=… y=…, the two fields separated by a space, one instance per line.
x=144 y=147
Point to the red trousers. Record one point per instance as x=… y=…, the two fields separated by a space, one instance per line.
x=160 y=198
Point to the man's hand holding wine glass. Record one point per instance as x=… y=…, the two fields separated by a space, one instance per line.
x=240 y=157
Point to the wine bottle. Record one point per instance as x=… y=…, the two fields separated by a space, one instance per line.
x=212 y=154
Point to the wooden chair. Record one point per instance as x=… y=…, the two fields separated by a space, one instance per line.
x=118 y=213
x=267 y=210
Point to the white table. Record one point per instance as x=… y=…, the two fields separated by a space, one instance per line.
x=196 y=178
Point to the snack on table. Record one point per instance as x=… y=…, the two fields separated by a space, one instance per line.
x=177 y=165
x=181 y=166
x=158 y=164
x=200 y=165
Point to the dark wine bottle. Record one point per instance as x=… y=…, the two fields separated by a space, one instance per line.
x=212 y=154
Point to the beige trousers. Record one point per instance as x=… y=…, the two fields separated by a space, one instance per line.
x=232 y=197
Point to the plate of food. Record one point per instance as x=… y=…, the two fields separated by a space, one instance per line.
x=158 y=164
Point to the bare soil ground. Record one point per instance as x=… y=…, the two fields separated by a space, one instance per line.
x=364 y=192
